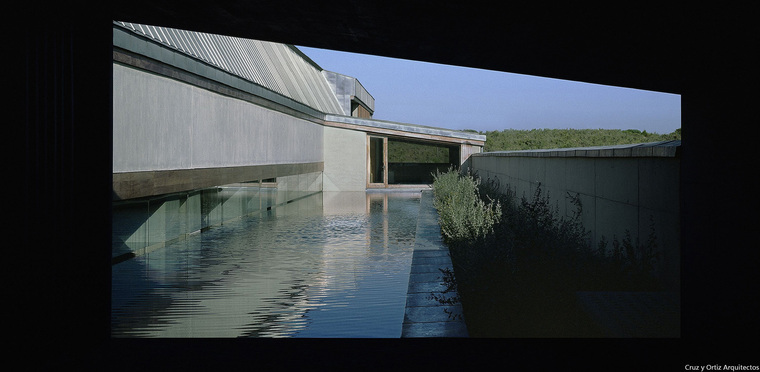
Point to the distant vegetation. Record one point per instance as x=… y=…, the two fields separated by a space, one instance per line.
x=512 y=139
x=409 y=152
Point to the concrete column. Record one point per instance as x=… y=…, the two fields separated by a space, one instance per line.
x=345 y=160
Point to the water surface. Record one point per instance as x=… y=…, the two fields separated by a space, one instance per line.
x=329 y=265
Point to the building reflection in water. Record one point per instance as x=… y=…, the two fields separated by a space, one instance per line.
x=326 y=265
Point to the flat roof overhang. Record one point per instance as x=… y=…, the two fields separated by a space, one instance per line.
x=410 y=131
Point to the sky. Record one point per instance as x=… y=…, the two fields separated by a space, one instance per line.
x=458 y=98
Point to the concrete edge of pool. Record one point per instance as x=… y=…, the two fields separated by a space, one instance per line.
x=425 y=316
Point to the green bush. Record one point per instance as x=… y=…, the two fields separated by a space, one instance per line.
x=463 y=214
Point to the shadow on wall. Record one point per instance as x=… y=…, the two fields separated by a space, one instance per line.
x=625 y=200
x=144 y=224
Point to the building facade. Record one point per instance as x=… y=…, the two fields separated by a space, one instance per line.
x=194 y=110
x=198 y=117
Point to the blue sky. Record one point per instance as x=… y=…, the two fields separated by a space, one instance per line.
x=465 y=98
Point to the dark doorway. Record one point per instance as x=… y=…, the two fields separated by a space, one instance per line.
x=415 y=162
x=377 y=161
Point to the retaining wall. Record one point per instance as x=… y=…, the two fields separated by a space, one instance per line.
x=628 y=187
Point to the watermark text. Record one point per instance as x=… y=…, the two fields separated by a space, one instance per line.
x=721 y=367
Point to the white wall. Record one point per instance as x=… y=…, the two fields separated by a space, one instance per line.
x=345 y=160
x=161 y=124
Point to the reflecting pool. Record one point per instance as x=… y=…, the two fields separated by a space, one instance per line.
x=326 y=265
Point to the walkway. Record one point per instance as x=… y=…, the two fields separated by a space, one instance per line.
x=425 y=316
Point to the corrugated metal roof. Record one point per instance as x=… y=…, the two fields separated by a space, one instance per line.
x=278 y=67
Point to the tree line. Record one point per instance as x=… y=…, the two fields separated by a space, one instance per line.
x=533 y=139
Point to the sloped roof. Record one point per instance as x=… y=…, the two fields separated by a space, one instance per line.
x=278 y=67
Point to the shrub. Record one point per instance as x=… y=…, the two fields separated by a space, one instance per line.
x=517 y=276
x=518 y=279
x=627 y=266
x=463 y=214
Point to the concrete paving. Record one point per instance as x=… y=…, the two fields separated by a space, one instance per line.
x=425 y=315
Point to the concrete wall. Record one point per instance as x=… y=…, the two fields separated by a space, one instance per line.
x=298 y=186
x=162 y=124
x=618 y=193
x=144 y=224
x=345 y=160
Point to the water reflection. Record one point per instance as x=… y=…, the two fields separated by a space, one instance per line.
x=328 y=265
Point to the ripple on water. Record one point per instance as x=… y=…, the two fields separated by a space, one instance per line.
x=300 y=275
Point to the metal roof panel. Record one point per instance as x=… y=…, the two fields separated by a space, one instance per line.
x=277 y=67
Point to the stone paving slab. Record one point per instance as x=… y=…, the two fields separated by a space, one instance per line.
x=435 y=261
x=433 y=314
x=426 y=277
x=429 y=246
x=425 y=316
x=423 y=298
x=450 y=329
x=425 y=287
x=427 y=268
x=431 y=253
